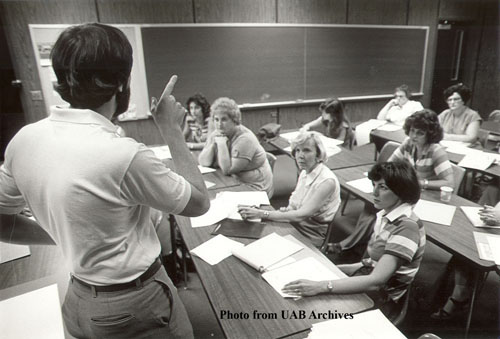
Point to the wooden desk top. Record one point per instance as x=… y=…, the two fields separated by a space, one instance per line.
x=457 y=239
x=236 y=287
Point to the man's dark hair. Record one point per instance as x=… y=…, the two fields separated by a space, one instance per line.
x=400 y=177
x=425 y=120
x=91 y=62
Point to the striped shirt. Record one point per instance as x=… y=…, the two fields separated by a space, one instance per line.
x=433 y=163
x=401 y=234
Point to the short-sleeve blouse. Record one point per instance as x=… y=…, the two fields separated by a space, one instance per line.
x=457 y=125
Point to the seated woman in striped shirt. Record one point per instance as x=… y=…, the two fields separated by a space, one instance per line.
x=422 y=150
x=395 y=248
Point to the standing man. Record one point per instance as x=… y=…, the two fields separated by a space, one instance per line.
x=92 y=191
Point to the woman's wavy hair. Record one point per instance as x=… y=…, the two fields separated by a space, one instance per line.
x=227 y=106
x=316 y=138
x=400 y=177
x=91 y=62
x=425 y=120
x=201 y=101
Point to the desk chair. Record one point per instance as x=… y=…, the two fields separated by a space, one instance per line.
x=458 y=176
x=404 y=309
x=483 y=137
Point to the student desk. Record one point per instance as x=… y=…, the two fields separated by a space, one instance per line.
x=233 y=286
x=362 y=155
x=457 y=239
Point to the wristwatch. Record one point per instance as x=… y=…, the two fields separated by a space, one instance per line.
x=329 y=286
x=266 y=214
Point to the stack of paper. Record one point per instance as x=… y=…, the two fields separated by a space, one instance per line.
x=477 y=160
x=435 y=212
x=389 y=127
x=472 y=213
x=364 y=185
x=369 y=325
x=458 y=147
x=307 y=268
x=36 y=314
x=483 y=245
x=363 y=130
x=225 y=205
x=10 y=252
x=267 y=251
x=216 y=249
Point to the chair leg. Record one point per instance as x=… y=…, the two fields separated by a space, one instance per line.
x=345 y=203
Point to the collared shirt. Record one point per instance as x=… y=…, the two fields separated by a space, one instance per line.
x=257 y=174
x=457 y=125
x=91 y=190
x=401 y=234
x=315 y=226
x=433 y=163
x=397 y=114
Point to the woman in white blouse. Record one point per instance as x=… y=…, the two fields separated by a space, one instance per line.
x=399 y=108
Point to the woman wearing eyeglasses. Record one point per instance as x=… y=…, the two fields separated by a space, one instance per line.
x=399 y=108
x=460 y=123
x=333 y=122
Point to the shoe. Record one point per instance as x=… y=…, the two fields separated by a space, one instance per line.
x=458 y=308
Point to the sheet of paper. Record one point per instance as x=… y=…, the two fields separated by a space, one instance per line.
x=483 y=245
x=204 y=169
x=215 y=250
x=495 y=249
x=370 y=325
x=290 y=135
x=458 y=147
x=307 y=268
x=161 y=152
x=435 y=212
x=472 y=213
x=331 y=145
x=363 y=130
x=477 y=160
x=36 y=314
x=10 y=252
x=209 y=184
x=283 y=262
x=389 y=127
x=215 y=213
x=364 y=185
x=267 y=251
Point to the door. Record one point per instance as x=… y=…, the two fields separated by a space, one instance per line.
x=11 y=112
x=449 y=63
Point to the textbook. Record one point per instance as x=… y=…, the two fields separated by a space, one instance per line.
x=239 y=229
x=266 y=251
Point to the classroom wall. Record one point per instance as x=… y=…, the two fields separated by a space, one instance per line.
x=17 y=14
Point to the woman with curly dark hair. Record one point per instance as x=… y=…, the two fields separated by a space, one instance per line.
x=422 y=150
x=460 y=123
x=196 y=124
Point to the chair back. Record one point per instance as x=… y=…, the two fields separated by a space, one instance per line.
x=272 y=159
x=404 y=309
x=387 y=150
x=458 y=176
x=329 y=230
x=482 y=137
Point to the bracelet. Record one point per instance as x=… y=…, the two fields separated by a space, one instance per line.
x=426 y=183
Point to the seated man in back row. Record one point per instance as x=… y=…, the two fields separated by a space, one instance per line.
x=92 y=191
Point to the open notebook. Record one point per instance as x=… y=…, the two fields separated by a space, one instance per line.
x=266 y=251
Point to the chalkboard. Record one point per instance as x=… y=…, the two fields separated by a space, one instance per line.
x=259 y=64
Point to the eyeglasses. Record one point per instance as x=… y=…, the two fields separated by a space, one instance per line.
x=453 y=99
